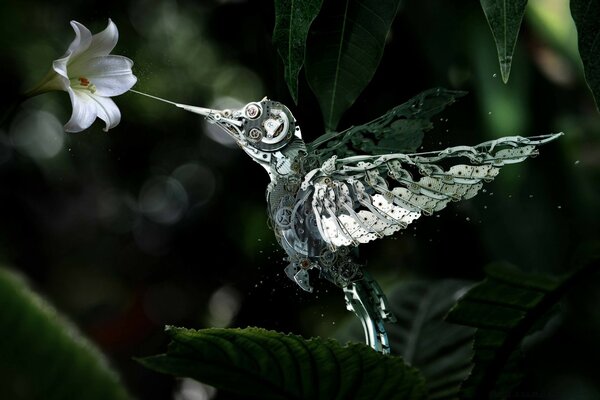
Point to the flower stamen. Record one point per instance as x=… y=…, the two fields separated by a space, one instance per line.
x=83 y=83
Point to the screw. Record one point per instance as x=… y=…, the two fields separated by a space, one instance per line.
x=252 y=111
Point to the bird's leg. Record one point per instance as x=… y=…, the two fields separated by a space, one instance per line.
x=366 y=299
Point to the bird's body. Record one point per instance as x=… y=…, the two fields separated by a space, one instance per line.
x=349 y=188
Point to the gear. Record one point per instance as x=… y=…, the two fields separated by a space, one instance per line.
x=327 y=257
x=283 y=217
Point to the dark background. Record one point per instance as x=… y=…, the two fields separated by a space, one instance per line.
x=156 y=223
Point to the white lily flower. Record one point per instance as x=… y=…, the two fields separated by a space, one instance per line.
x=91 y=76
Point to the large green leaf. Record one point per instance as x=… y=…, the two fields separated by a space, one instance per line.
x=400 y=130
x=586 y=14
x=43 y=356
x=268 y=365
x=506 y=307
x=344 y=50
x=504 y=17
x=292 y=22
x=440 y=350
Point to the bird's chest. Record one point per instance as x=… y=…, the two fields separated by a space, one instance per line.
x=282 y=195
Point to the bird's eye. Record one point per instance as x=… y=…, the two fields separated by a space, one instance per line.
x=276 y=127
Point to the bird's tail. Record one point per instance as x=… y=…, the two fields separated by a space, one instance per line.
x=366 y=299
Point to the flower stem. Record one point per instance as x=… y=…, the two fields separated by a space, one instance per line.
x=47 y=84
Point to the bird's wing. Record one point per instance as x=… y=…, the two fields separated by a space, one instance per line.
x=400 y=130
x=361 y=198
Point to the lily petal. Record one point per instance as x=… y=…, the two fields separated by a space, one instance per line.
x=84 y=111
x=104 y=42
x=60 y=67
x=107 y=111
x=83 y=39
x=111 y=75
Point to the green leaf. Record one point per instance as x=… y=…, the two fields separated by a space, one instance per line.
x=586 y=14
x=292 y=22
x=43 y=356
x=504 y=17
x=506 y=307
x=440 y=350
x=400 y=130
x=344 y=50
x=264 y=364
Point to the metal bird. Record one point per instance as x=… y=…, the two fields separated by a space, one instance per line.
x=352 y=187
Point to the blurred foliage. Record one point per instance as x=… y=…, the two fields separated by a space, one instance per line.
x=39 y=348
x=506 y=307
x=161 y=222
x=587 y=18
x=260 y=364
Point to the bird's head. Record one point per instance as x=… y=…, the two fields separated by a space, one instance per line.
x=260 y=128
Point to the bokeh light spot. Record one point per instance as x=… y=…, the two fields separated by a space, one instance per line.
x=198 y=180
x=223 y=306
x=37 y=134
x=194 y=390
x=163 y=199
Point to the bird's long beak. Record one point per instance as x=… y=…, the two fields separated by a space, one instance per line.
x=223 y=118
x=212 y=115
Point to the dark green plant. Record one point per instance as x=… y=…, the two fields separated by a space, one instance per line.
x=261 y=364
x=505 y=308
x=339 y=44
x=43 y=355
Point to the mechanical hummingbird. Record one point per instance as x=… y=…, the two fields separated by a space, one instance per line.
x=352 y=187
